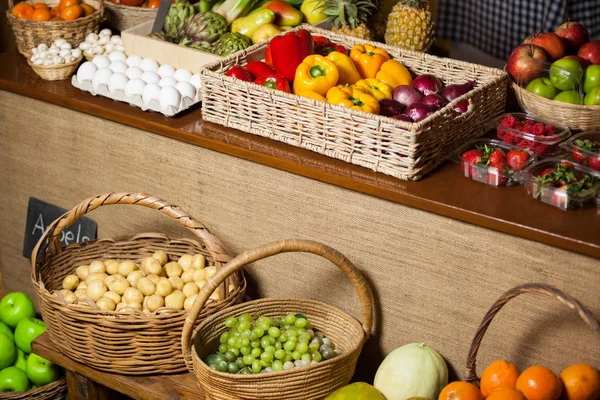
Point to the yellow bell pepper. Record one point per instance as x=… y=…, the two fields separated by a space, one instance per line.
x=379 y=90
x=368 y=59
x=316 y=74
x=394 y=74
x=348 y=72
x=353 y=97
x=312 y=95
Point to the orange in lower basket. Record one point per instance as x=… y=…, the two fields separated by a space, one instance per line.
x=72 y=12
x=581 y=382
x=460 y=391
x=22 y=11
x=40 y=5
x=539 y=383
x=499 y=374
x=41 y=14
x=506 y=394
x=87 y=9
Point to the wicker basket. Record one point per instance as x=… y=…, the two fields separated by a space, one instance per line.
x=546 y=290
x=397 y=148
x=122 y=17
x=314 y=382
x=56 y=390
x=55 y=72
x=115 y=341
x=574 y=116
x=29 y=34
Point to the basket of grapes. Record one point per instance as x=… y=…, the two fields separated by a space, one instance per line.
x=276 y=348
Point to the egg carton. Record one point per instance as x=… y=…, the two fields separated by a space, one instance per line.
x=136 y=100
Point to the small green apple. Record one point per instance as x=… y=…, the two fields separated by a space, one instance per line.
x=12 y=379
x=593 y=97
x=14 y=307
x=27 y=330
x=41 y=371
x=592 y=78
x=569 y=96
x=8 y=350
x=5 y=329
x=20 y=360
x=566 y=74
x=542 y=87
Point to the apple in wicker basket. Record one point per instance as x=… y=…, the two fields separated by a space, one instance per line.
x=526 y=63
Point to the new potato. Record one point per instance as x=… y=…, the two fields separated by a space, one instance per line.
x=96 y=267
x=112 y=267
x=146 y=286
x=161 y=256
x=82 y=271
x=188 y=275
x=120 y=285
x=189 y=302
x=135 y=276
x=175 y=300
x=154 y=278
x=106 y=303
x=164 y=287
x=177 y=283
x=151 y=265
x=96 y=290
x=190 y=289
x=173 y=269
x=198 y=261
x=100 y=276
x=132 y=295
x=113 y=296
x=126 y=267
x=186 y=261
x=154 y=302
x=70 y=282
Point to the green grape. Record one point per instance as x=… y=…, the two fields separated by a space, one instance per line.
x=283 y=338
x=292 y=333
x=274 y=332
x=265 y=364
x=289 y=319
x=246 y=334
x=231 y=322
x=235 y=351
x=308 y=325
x=256 y=353
x=219 y=357
x=248 y=359
x=289 y=346
x=255 y=343
x=306 y=356
x=302 y=347
x=270 y=349
x=313 y=346
x=211 y=359
x=304 y=337
x=244 y=326
x=246 y=371
x=245 y=350
x=224 y=337
x=235 y=333
x=288 y=357
x=213 y=366
x=222 y=366
x=277 y=365
x=233 y=368
x=316 y=356
x=265 y=341
x=240 y=363
x=256 y=366
x=245 y=317
x=245 y=342
x=229 y=356
x=272 y=340
x=223 y=348
x=267 y=357
x=258 y=333
x=296 y=355
x=238 y=342
x=279 y=354
x=300 y=323
x=278 y=345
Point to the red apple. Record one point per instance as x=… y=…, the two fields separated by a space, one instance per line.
x=552 y=43
x=529 y=38
x=526 y=63
x=574 y=34
x=584 y=63
x=590 y=51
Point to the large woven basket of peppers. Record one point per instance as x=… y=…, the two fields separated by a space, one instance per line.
x=354 y=100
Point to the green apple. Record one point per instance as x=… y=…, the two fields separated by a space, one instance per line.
x=12 y=379
x=41 y=371
x=592 y=78
x=570 y=96
x=20 y=360
x=566 y=74
x=27 y=330
x=542 y=87
x=14 y=307
x=8 y=350
x=593 y=97
x=5 y=329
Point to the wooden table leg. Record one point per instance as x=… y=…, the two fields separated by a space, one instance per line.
x=81 y=388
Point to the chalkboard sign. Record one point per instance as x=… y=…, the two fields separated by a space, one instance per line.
x=41 y=214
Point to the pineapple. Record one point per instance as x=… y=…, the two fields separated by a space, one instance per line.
x=410 y=26
x=350 y=16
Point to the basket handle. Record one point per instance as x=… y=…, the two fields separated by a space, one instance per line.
x=52 y=234
x=271 y=249
x=547 y=290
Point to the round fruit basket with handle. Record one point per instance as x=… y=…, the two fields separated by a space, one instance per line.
x=122 y=17
x=128 y=342
x=303 y=383
x=56 y=390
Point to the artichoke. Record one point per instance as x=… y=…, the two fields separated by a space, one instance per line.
x=204 y=27
x=200 y=45
x=179 y=12
x=230 y=43
x=159 y=36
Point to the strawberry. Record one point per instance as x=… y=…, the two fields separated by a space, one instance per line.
x=566 y=164
x=473 y=156
x=560 y=196
x=578 y=156
x=497 y=158
x=546 y=172
x=516 y=159
x=495 y=176
x=594 y=162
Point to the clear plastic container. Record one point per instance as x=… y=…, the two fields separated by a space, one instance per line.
x=524 y=131
x=489 y=175
x=584 y=148
x=562 y=196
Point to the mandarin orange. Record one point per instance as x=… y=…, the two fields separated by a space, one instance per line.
x=22 y=11
x=499 y=374
x=460 y=391
x=539 y=383
x=580 y=382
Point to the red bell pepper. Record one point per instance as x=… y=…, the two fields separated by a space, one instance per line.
x=259 y=68
x=268 y=58
x=330 y=47
x=274 y=81
x=320 y=41
x=240 y=73
x=288 y=51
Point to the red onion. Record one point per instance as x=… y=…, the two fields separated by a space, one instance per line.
x=418 y=111
x=402 y=117
x=407 y=95
x=428 y=84
x=389 y=108
x=461 y=107
x=455 y=91
x=434 y=101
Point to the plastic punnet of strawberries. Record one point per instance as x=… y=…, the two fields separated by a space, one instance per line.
x=490 y=164
x=540 y=138
x=587 y=152
x=563 y=186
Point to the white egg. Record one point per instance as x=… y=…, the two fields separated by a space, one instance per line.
x=65 y=52
x=65 y=45
x=148 y=64
x=101 y=77
x=134 y=86
x=165 y=70
x=116 y=39
x=182 y=75
x=101 y=61
x=134 y=72
x=85 y=46
x=118 y=66
x=105 y=32
x=76 y=53
x=169 y=96
x=134 y=60
x=167 y=81
x=117 y=82
x=86 y=71
x=186 y=89
x=91 y=38
x=117 y=56
x=150 y=77
x=42 y=47
x=196 y=81
x=151 y=92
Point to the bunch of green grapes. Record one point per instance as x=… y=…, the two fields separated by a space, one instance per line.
x=263 y=344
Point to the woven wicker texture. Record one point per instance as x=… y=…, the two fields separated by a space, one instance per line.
x=405 y=150
x=314 y=382
x=546 y=290
x=56 y=390
x=120 y=342
x=29 y=34
x=562 y=114
x=120 y=17
x=55 y=72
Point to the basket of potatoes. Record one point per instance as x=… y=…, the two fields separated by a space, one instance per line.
x=119 y=304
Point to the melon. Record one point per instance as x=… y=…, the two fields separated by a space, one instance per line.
x=356 y=391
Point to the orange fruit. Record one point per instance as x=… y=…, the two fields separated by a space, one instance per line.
x=56 y=19
x=87 y=9
x=66 y=3
x=22 y=11
x=539 y=383
x=41 y=14
x=506 y=394
x=580 y=382
x=460 y=391
x=40 y=5
x=71 y=12
x=54 y=11
x=499 y=374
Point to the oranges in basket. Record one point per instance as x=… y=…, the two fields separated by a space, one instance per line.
x=67 y=10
